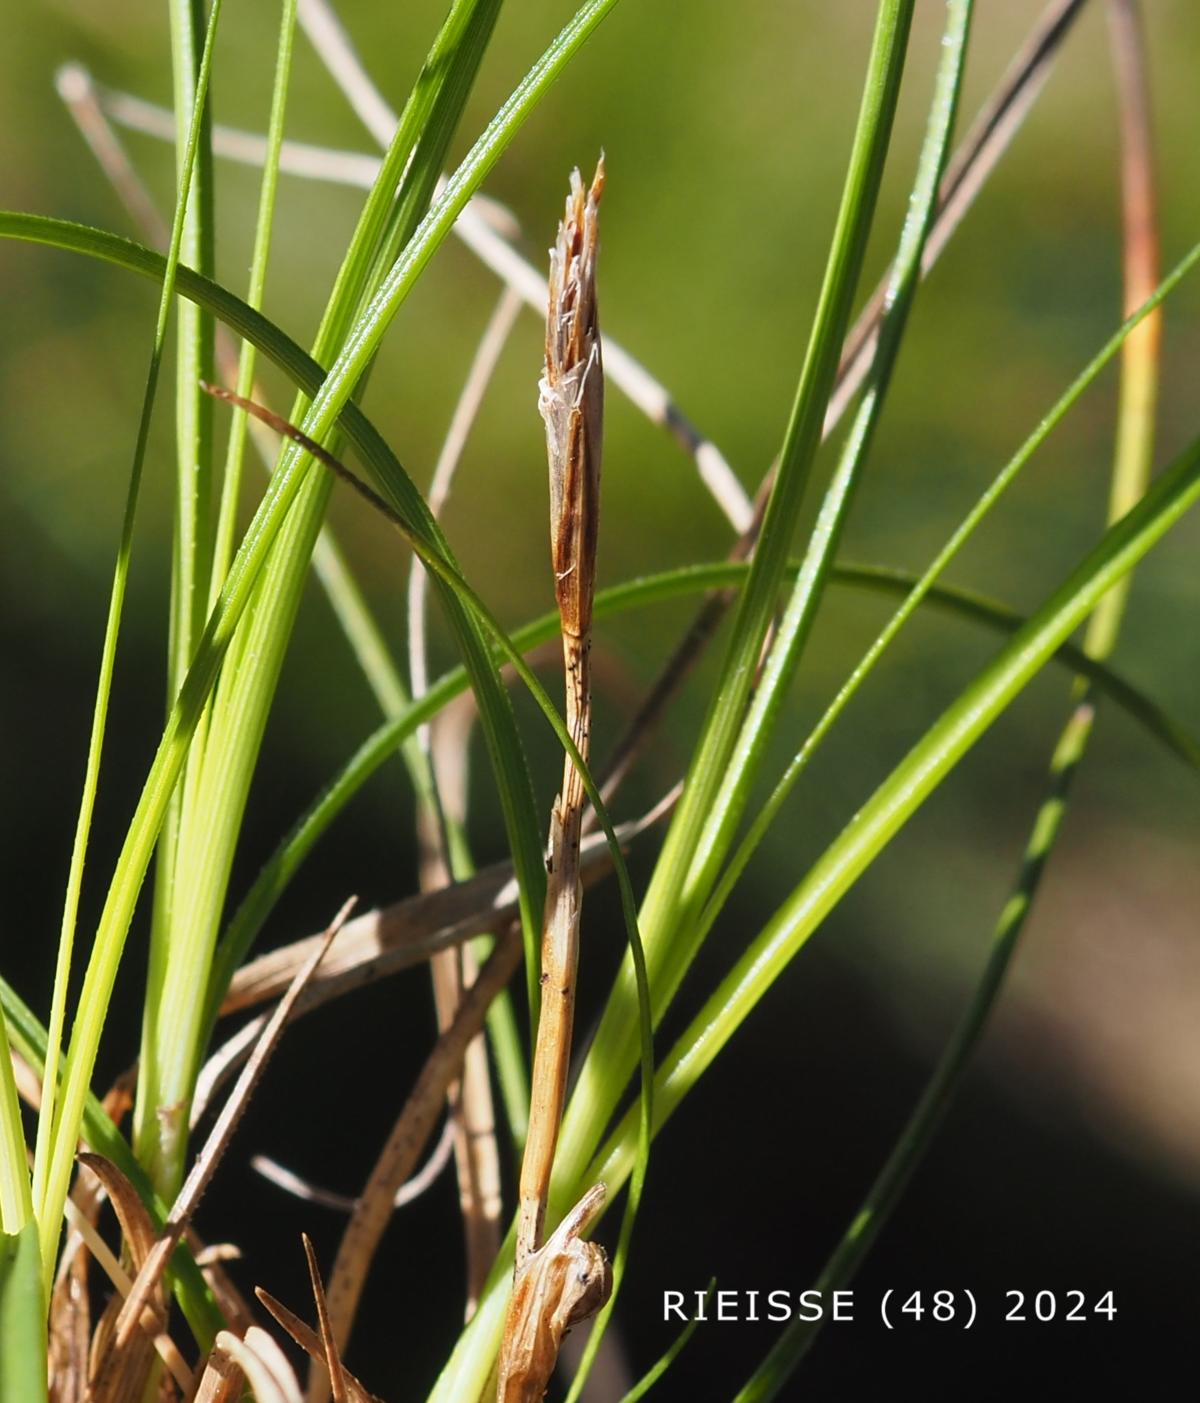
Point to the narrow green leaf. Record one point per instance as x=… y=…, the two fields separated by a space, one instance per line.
x=733 y=793
x=191 y=532
x=22 y=1318
x=905 y=790
x=657 y=1370
x=16 y=1199
x=50 y=1141
x=100 y=1134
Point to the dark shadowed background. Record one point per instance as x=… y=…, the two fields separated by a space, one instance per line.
x=1072 y=1157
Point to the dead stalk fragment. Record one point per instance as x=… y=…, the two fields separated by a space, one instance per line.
x=563 y=1283
x=553 y=1286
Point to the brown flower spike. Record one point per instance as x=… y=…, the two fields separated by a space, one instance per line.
x=566 y=1280
x=571 y=401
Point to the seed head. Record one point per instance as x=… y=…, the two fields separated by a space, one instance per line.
x=571 y=401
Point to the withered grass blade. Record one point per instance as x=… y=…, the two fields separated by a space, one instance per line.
x=310 y=1342
x=333 y=1360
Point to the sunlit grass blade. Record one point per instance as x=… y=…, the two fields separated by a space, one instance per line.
x=796 y=622
x=16 y=1198
x=213 y=816
x=759 y=599
x=194 y=342
x=50 y=1134
x=22 y=1318
x=1131 y=469
x=264 y=224
x=192 y=530
x=905 y=790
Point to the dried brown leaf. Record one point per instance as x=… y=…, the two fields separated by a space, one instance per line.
x=310 y=1342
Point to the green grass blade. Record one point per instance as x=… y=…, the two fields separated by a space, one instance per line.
x=193 y=418
x=1130 y=477
x=802 y=437
x=174 y=1018
x=22 y=1318
x=264 y=224
x=16 y=1198
x=794 y=627
x=906 y=789
x=194 y=338
x=46 y=1146
x=100 y=1134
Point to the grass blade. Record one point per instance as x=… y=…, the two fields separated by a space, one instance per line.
x=16 y=1198
x=906 y=789
x=1134 y=451
x=50 y=1136
x=22 y=1318
x=212 y=820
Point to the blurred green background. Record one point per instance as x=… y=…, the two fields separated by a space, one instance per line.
x=726 y=129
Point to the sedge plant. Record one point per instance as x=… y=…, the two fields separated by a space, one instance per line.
x=234 y=598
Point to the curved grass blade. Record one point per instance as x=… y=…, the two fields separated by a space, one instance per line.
x=383 y=743
x=906 y=789
x=732 y=796
x=757 y=605
x=1131 y=470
